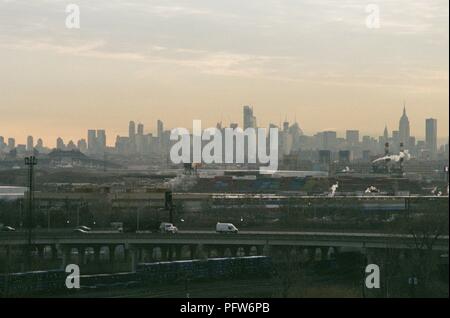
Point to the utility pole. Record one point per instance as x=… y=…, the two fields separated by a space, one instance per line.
x=168 y=203
x=30 y=161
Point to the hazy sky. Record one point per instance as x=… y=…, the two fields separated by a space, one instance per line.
x=315 y=60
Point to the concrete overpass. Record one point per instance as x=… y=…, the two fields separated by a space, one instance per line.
x=253 y=238
x=141 y=247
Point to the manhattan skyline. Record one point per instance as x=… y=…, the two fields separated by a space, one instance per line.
x=313 y=61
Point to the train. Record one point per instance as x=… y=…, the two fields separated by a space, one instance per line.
x=52 y=282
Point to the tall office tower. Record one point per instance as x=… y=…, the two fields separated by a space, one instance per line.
x=11 y=143
x=60 y=144
x=101 y=140
x=40 y=145
x=71 y=145
x=285 y=126
x=352 y=137
x=395 y=140
x=385 y=134
x=2 y=142
x=140 y=129
x=329 y=140
x=30 y=144
x=160 y=128
x=249 y=119
x=82 y=145
x=403 y=129
x=131 y=130
x=92 y=140
x=431 y=134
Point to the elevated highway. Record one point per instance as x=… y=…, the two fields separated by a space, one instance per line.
x=246 y=238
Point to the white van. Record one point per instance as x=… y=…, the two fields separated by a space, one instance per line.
x=168 y=228
x=226 y=228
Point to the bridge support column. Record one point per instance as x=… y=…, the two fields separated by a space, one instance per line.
x=324 y=253
x=65 y=255
x=133 y=258
x=192 y=251
x=170 y=252
x=112 y=253
x=8 y=258
x=40 y=250
x=204 y=251
x=233 y=250
x=267 y=250
x=96 y=253
x=164 y=250
x=54 y=252
x=150 y=253
x=81 y=255
x=311 y=254
x=259 y=250
x=220 y=251
x=178 y=252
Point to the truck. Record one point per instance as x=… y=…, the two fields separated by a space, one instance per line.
x=226 y=228
x=168 y=228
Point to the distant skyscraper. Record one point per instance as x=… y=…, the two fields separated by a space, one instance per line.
x=140 y=129
x=30 y=144
x=131 y=130
x=160 y=128
x=352 y=137
x=403 y=129
x=431 y=134
x=386 y=134
x=11 y=143
x=82 y=145
x=71 y=145
x=60 y=144
x=101 y=140
x=92 y=140
x=329 y=140
x=249 y=119
x=40 y=144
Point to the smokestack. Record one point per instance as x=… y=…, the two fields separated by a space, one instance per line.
x=386 y=148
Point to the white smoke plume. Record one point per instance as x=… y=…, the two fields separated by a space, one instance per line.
x=371 y=189
x=333 y=189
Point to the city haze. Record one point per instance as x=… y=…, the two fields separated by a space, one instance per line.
x=316 y=62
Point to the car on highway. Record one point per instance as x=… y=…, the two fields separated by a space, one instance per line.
x=80 y=230
x=84 y=228
x=168 y=228
x=226 y=228
x=7 y=229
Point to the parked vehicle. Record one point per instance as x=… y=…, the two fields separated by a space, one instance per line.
x=226 y=228
x=168 y=228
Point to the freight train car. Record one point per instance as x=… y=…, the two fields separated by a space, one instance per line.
x=213 y=268
x=22 y=284
x=52 y=282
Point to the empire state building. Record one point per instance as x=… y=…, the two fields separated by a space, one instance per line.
x=404 y=130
